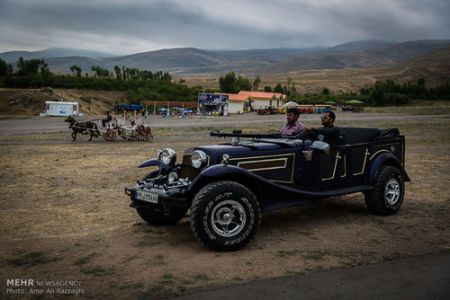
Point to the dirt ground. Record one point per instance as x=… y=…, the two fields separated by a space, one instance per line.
x=64 y=216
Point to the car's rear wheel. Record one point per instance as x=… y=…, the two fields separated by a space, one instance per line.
x=386 y=198
x=158 y=215
x=225 y=215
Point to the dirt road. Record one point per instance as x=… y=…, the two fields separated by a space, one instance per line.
x=55 y=124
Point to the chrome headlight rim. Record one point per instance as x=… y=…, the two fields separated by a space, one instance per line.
x=172 y=177
x=168 y=156
x=198 y=159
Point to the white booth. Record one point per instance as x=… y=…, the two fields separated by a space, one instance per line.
x=56 y=108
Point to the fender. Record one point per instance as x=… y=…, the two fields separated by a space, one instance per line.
x=385 y=158
x=154 y=162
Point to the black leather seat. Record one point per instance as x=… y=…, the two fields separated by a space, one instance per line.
x=388 y=133
x=351 y=135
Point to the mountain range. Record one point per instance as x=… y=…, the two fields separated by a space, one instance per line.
x=193 y=61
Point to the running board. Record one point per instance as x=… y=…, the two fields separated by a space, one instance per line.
x=326 y=194
x=345 y=191
x=303 y=197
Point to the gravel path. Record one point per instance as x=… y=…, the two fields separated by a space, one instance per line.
x=55 y=124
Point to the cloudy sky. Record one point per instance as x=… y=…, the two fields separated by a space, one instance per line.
x=123 y=27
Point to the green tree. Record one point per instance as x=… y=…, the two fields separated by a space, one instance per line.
x=43 y=68
x=28 y=67
x=268 y=89
x=118 y=72
x=5 y=69
x=256 y=83
x=228 y=83
x=278 y=88
x=421 y=82
x=76 y=70
x=325 y=91
x=100 y=72
x=243 y=84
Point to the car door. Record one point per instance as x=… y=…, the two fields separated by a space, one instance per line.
x=323 y=171
x=333 y=167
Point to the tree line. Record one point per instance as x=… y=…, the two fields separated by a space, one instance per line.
x=139 y=84
x=389 y=92
x=147 y=85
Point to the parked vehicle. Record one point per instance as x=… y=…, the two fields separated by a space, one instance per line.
x=267 y=110
x=228 y=186
x=306 y=109
x=321 y=108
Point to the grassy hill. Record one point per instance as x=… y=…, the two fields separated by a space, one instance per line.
x=434 y=67
x=192 y=61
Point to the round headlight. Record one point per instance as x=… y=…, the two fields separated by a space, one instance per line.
x=168 y=156
x=198 y=159
x=172 y=177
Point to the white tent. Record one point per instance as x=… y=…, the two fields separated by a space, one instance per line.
x=290 y=104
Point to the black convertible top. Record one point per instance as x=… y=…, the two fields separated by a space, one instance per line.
x=352 y=135
x=348 y=135
x=332 y=136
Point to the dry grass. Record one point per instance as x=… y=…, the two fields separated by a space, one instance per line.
x=337 y=80
x=417 y=107
x=64 y=216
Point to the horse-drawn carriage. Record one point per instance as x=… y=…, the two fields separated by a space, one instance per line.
x=135 y=131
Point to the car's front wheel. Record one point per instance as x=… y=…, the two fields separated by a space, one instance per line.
x=160 y=215
x=386 y=198
x=225 y=215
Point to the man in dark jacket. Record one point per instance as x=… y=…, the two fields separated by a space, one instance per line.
x=328 y=119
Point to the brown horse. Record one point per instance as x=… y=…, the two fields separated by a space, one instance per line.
x=87 y=127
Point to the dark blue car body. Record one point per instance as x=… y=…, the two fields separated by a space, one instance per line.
x=281 y=172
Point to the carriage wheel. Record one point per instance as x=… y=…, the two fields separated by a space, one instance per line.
x=145 y=137
x=109 y=135
x=139 y=134
x=148 y=133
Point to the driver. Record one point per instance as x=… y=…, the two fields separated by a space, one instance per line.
x=107 y=119
x=292 y=127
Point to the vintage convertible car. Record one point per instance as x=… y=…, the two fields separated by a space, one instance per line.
x=227 y=186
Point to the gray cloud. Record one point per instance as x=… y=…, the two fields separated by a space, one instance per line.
x=138 y=25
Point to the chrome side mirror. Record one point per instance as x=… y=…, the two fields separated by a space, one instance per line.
x=321 y=146
x=308 y=154
x=318 y=146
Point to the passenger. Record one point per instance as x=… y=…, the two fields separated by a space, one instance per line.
x=328 y=118
x=292 y=127
x=328 y=133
